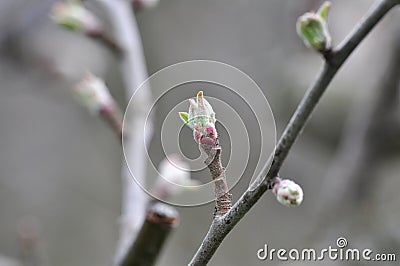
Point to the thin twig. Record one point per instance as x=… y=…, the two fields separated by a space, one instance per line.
x=223 y=199
x=220 y=227
x=106 y=39
x=113 y=116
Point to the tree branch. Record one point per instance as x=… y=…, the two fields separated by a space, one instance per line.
x=221 y=226
x=134 y=72
x=113 y=117
x=160 y=220
x=105 y=38
x=223 y=199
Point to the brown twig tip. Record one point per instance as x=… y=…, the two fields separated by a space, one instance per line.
x=160 y=220
x=163 y=214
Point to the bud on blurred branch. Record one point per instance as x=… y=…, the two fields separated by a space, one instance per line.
x=313 y=29
x=93 y=93
x=74 y=16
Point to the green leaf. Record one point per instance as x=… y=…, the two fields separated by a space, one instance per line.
x=324 y=9
x=184 y=116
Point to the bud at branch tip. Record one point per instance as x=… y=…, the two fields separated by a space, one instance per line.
x=93 y=93
x=73 y=15
x=201 y=119
x=312 y=28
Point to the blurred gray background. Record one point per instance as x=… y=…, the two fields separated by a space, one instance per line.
x=60 y=166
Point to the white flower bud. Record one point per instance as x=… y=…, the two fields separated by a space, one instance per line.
x=93 y=93
x=73 y=15
x=174 y=178
x=287 y=192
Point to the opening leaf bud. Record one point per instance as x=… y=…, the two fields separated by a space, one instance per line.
x=73 y=15
x=312 y=27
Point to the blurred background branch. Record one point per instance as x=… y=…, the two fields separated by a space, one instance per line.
x=160 y=220
x=134 y=72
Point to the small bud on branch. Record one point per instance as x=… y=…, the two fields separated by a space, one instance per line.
x=313 y=29
x=74 y=16
x=287 y=192
x=93 y=93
